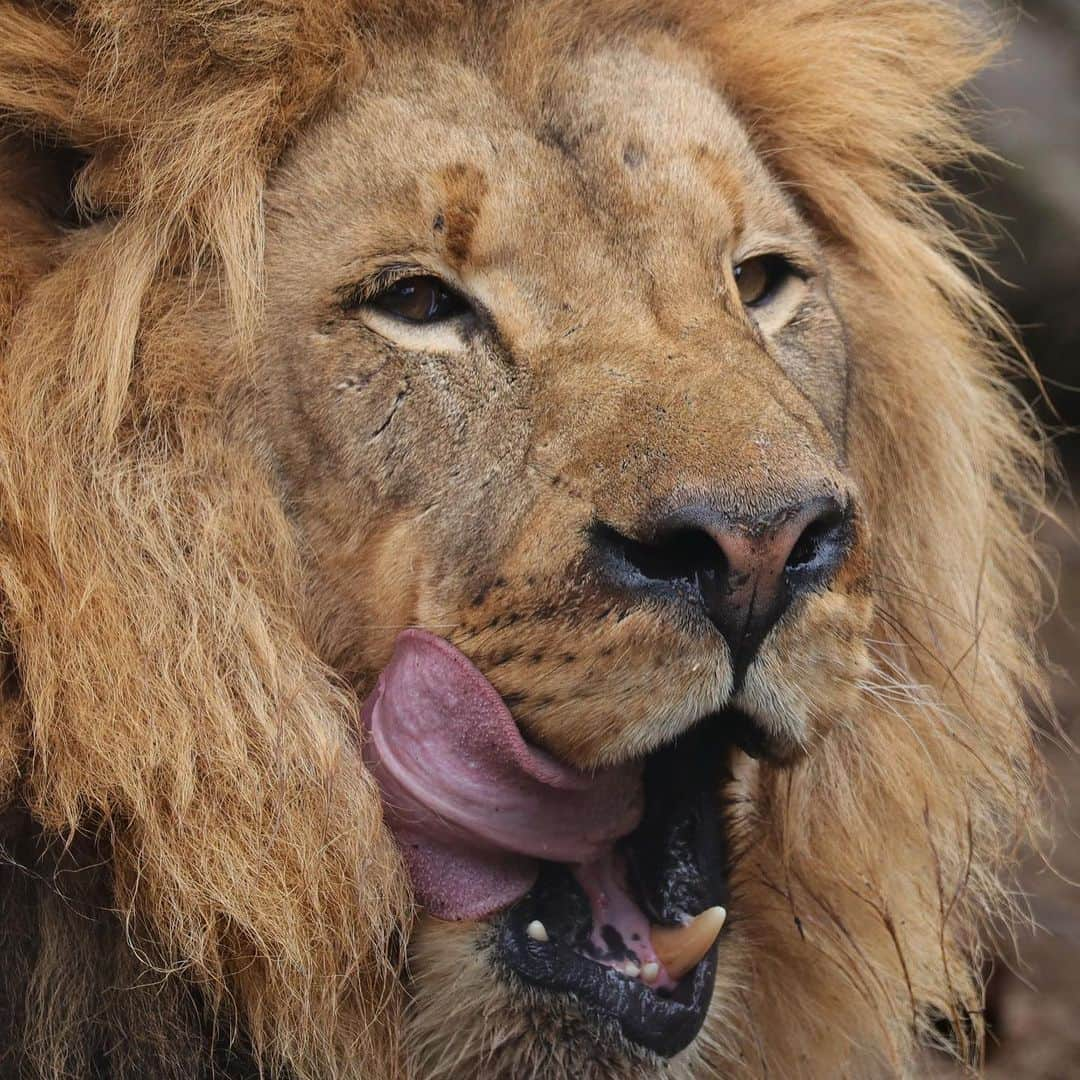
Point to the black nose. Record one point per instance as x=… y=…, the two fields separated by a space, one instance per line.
x=746 y=571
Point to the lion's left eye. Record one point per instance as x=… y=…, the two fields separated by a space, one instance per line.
x=760 y=278
x=420 y=299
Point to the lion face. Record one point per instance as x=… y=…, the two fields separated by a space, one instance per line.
x=561 y=381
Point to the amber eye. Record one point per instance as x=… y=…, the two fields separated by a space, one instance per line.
x=420 y=299
x=759 y=279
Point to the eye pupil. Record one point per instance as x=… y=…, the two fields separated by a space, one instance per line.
x=419 y=299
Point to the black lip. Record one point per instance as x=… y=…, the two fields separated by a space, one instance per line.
x=677 y=862
x=664 y=1025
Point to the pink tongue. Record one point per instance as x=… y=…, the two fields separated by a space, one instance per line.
x=472 y=805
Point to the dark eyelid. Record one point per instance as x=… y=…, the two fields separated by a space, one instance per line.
x=802 y=267
x=354 y=294
x=799 y=268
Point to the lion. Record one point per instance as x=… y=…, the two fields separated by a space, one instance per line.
x=515 y=541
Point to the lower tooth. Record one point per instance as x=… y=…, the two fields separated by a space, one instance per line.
x=650 y=971
x=537 y=931
x=632 y=970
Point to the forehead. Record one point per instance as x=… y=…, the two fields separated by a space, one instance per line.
x=614 y=161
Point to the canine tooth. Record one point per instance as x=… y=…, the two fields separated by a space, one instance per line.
x=650 y=971
x=681 y=947
x=632 y=970
x=537 y=931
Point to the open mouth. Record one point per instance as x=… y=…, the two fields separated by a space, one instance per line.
x=609 y=887
x=599 y=937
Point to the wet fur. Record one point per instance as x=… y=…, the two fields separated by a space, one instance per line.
x=187 y=811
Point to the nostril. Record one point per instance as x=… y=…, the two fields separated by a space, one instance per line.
x=677 y=555
x=821 y=544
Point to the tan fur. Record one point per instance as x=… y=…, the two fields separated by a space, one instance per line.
x=220 y=498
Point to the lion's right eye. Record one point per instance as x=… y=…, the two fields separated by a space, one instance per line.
x=420 y=299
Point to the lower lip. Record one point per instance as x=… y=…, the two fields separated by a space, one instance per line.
x=619 y=1006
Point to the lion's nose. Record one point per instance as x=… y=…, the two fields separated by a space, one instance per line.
x=745 y=570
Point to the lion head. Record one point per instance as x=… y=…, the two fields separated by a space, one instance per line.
x=481 y=486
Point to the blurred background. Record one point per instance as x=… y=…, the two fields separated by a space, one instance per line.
x=1031 y=117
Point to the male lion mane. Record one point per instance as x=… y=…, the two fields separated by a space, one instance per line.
x=197 y=874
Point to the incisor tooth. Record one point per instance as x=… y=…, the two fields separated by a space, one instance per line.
x=681 y=947
x=650 y=971
x=537 y=931
x=632 y=970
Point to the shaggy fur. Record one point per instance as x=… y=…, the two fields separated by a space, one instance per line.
x=196 y=876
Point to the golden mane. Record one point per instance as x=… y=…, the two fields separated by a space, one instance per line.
x=160 y=693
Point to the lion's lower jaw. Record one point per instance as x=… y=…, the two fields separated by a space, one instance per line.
x=466 y=1020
